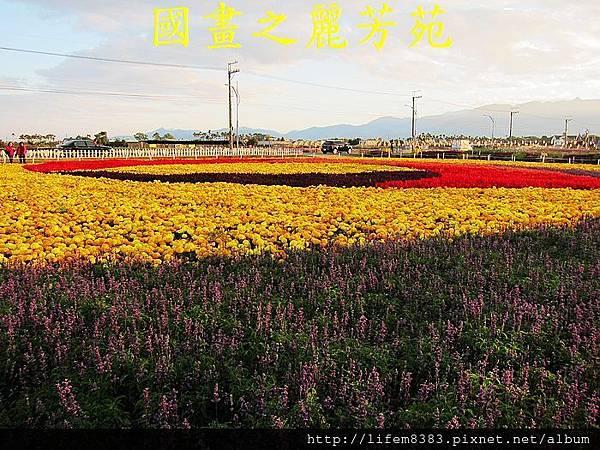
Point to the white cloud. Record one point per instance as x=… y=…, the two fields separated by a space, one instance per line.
x=506 y=51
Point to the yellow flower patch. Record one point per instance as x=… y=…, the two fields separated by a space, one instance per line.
x=52 y=217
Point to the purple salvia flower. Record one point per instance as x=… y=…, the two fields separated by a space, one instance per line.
x=453 y=424
x=68 y=401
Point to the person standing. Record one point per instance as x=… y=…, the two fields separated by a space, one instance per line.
x=10 y=151
x=22 y=152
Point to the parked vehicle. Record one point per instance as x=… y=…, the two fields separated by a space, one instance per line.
x=336 y=146
x=83 y=144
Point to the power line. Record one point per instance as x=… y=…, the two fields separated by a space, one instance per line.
x=197 y=67
x=478 y=110
x=101 y=93
x=325 y=86
x=111 y=60
x=255 y=74
x=180 y=99
x=69 y=82
x=329 y=111
x=193 y=100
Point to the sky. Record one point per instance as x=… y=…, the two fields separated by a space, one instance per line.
x=503 y=51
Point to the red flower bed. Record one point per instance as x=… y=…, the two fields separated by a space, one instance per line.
x=450 y=175
x=73 y=165
x=473 y=176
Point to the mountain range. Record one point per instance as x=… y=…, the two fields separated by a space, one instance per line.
x=534 y=119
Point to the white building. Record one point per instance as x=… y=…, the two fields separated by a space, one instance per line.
x=462 y=145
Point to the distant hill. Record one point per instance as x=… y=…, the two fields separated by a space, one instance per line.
x=534 y=119
x=385 y=127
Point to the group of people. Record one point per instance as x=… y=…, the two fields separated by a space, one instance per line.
x=20 y=151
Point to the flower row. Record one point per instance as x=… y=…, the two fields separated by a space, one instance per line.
x=53 y=217
x=259 y=167
x=352 y=179
x=487 y=176
x=462 y=174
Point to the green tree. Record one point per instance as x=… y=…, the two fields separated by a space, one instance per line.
x=118 y=143
x=101 y=138
x=140 y=137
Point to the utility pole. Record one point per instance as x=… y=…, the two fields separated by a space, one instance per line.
x=512 y=114
x=567 y=120
x=230 y=72
x=415 y=97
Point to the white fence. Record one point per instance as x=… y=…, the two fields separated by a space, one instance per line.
x=158 y=153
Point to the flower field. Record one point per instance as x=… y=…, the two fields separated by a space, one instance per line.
x=52 y=217
x=297 y=174
x=480 y=332
x=314 y=292
x=258 y=167
x=369 y=178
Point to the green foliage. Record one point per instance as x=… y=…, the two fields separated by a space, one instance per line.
x=101 y=138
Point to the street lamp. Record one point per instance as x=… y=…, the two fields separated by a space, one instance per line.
x=567 y=120
x=230 y=72
x=236 y=91
x=493 y=124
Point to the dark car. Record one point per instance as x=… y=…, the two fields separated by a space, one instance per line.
x=82 y=144
x=336 y=147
